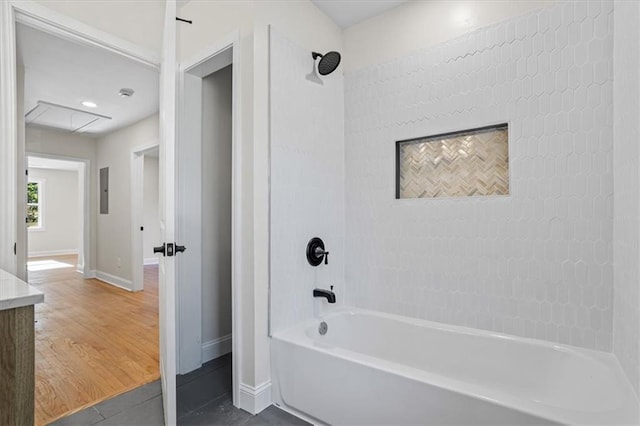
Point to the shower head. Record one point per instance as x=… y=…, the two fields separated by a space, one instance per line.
x=314 y=77
x=328 y=62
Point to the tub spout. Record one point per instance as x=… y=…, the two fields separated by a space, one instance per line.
x=328 y=294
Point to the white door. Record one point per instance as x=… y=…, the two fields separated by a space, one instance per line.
x=167 y=268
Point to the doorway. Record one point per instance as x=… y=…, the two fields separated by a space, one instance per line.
x=86 y=109
x=145 y=208
x=58 y=212
x=207 y=316
x=52 y=23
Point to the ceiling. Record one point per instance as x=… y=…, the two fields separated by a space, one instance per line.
x=346 y=13
x=65 y=73
x=52 y=163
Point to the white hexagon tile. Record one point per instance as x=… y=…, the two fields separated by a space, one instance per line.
x=307 y=182
x=535 y=263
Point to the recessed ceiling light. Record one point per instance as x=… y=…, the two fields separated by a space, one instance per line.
x=126 y=92
x=89 y=104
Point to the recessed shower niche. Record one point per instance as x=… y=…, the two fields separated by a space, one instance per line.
x=471 y=162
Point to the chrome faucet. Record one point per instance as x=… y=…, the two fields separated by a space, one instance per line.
x=327 y=294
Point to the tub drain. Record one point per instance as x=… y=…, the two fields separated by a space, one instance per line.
x=323 y=328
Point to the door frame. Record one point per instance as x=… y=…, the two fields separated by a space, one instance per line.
x=12 y=152
x=84 y=187
x=46 y=20
x=210 y=61
x=137 y=214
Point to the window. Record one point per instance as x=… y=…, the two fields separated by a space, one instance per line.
x=471 y=162
x=35 y=198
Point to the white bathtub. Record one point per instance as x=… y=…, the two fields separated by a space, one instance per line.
x=373 y=368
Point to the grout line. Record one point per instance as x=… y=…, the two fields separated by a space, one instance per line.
x=215 y=400
x=102 y=418
x=124 y=395
x=206 y=368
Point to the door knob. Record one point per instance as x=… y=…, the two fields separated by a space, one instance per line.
x=169 y=250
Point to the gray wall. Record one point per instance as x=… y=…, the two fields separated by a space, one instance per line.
x=216 y=205
x=151 y=214
x=114 y=229
x=626 y=200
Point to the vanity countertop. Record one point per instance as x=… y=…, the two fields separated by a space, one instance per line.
x=15 y=293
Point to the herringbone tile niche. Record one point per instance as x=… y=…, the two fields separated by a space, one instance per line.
x=468 y=163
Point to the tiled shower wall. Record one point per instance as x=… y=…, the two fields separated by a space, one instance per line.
x=307 y=181
x=626 y=161
x=536 y=263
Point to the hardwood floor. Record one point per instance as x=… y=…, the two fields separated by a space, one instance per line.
x=93 y=340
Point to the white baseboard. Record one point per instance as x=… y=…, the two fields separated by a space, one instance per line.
x=151 y=261
x=216 y=348
x=53 y=253
x=113 y=280
x=255 y=399
x=91 y=274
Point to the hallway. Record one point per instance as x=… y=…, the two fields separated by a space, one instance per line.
x=93 y=340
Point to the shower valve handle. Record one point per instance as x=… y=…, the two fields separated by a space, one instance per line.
x=320 y=252
x=316 y=252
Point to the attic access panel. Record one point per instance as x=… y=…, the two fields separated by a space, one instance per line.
x=73 y=120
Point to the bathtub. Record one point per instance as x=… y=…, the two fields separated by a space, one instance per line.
x=373 y=368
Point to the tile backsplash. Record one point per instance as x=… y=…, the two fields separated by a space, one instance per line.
x=537 y=263
x=467 y=163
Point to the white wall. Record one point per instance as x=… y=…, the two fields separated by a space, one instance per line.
x=307 y=182
x=113 y=230
x=306 y=24
x=626 y=176
x=219 y=19
x=151 y=235
x=61 y=212
x=216 y=206
x=537 y=263
x=309 y=27
x=418 y=24
x=137 y=21
x=54 y=142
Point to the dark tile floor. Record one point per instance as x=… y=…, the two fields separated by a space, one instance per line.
x=204 y=398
